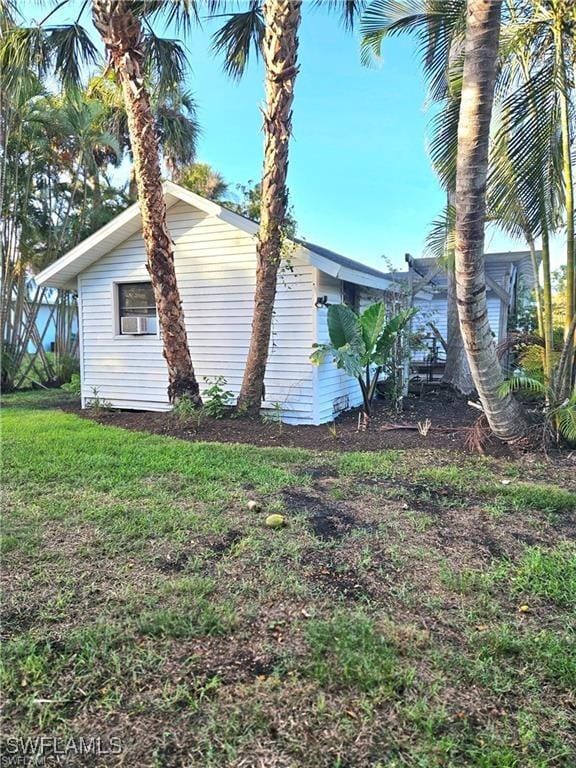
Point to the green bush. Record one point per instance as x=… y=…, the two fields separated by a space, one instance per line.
x=74 y=385
x=217 y=399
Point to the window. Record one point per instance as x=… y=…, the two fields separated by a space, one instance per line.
x=137 y=309
x=350 y=295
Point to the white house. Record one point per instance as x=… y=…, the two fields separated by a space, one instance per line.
x=215 y=261
x=509 y=286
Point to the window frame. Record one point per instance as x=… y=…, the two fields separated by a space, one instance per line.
x=117 y=332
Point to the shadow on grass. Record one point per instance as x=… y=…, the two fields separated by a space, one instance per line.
x=41 y=399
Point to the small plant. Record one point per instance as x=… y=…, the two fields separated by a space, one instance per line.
x=217 y=399
x=275 y=417
x=185 y=409
x=333 y=429
x=424 y=427
x=97 y=403
x=74 y=385
x=362 y=345
x=559 y=411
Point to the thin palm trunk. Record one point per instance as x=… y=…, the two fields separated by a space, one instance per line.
x=567 y=175
x=280 y=50
x=548 y=319
x=121 y=32
x=537 y=286
x=479 y=76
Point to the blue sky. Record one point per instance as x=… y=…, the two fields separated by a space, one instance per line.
x=360 y=177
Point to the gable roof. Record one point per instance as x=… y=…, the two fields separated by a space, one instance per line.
x=435 y=278
x=62 y=272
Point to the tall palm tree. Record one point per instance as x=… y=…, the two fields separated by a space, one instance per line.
x=478 y=83
x=279 y=51
x=526 y=183
x=269 y=28
x=130 y=53
x=121 y=31
x=439 y=26
x=54 y=154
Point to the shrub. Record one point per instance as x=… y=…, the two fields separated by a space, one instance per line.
x=216 y=398
x=74 y=385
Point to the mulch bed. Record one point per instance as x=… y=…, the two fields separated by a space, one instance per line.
x=450 y=415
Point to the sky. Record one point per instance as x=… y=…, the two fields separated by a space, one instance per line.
x=360 y=178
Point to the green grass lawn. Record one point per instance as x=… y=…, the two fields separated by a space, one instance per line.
x=417 y=610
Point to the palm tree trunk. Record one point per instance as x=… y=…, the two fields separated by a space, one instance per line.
x=567 y=173
x=547 y=313
x=457 y=371
x=122 y=35
x=479 y=75
x=280 y=51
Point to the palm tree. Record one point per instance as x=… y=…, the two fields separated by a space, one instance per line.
x=272 y=30
x=478 y=83
x=53 y=192
x=202 y=179
x=131 y=54
x=121 y=31
x=269 y=28
x=526 y=184
x=279 y=50
x=439 y=26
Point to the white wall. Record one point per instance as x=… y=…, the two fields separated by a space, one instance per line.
x=335 y=387
x=215 y=266
x=435 y=311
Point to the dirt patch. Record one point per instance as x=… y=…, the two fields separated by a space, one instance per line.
x=229 y=663
x=329 y=520
x=450 y=415
x=334 y=576
x=178 y=561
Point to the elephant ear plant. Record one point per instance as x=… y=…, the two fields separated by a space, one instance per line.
x=362 y=344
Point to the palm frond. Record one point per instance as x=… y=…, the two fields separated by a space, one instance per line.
x=239 y=36
x=565 y=417
x=443 y=141
x=349 y=11
x=181 y=14
x=521 y=382
x=177 y=133
x=23 y=50
x=72 y=50
x=440 y=238
x=438 y=26
x=525 y=187
x=165 y=62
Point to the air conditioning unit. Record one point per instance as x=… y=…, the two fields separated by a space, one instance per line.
x=137 y=325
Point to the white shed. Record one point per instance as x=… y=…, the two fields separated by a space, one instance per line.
x=215 y=260
x=509 y=287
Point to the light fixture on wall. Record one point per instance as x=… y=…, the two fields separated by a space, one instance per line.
x=321 y=301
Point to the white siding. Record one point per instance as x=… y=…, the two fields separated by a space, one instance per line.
x=335 y=389
x=215 y=266
x=435 y=311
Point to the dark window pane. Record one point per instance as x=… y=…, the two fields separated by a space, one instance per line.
x=350 y=295
x=136 y=299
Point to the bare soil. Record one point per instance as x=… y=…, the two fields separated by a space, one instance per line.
x=450 y=415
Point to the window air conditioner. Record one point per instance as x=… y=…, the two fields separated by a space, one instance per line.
x=137 y=325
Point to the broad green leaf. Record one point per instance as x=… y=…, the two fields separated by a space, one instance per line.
x=343 y=326
x=349 y=359
x=394 y=326
x=372 y=321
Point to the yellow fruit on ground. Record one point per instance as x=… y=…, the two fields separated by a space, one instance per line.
x=275 y=521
